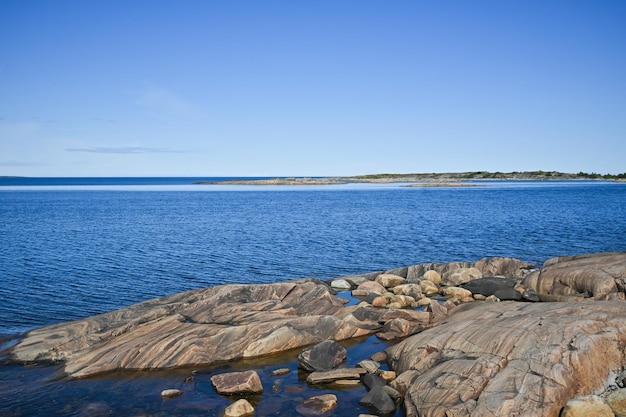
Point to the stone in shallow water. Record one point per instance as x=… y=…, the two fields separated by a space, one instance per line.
x=378 y=401
x=322 y=357
x=326 y=377
x=279 y=372
x=171 y=393
x=232 y=383
x=318 y=405
x=239 y=408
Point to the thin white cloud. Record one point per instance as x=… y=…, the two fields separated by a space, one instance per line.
x=125 y=150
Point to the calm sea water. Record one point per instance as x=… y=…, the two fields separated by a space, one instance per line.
x=71 y=248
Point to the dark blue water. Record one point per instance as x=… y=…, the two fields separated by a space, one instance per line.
x=68 y=251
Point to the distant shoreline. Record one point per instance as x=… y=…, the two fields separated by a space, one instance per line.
x=454 y=179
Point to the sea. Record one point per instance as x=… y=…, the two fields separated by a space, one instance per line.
x=75 y=247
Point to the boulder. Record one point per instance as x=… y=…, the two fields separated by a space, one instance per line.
x=322 y=357
x=239 y=408
x=437 y=310
x=376 y=300
x=390 y=280
x=398 y=328
x=489 y=285
x=340 y=284
x=379 y=402
x=456 y=293
x=421 y=318
x=369 y=365
x=334 y=375
x=428 y=288
x=460 y=276
x=401 y=301
x=595 y=276
x=368 y=287
x=198 y=327
x=617 y=401
x=318 y=405
x=372 y=381
x=494 y=359
x=433 y=276
x=587 y=406
x=236 y=383
x=412 y=290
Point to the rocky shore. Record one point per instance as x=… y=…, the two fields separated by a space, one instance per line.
x=494 y=337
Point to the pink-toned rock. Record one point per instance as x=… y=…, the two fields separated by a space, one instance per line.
x=510 y=358
x=247 y=382
x=368 y=287
x=202 y=326
x=601 y=276
x=390 y=280
x=461 y=276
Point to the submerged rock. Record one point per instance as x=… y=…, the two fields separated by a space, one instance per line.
x=318 y=405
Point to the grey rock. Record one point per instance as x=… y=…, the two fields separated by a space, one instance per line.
x=326 y=377
x=322 y=357
x=372 y=381
x=369 y=365
x=489 y=285
x=378 y=402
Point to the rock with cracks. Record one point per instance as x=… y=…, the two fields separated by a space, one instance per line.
x=198 y=327
x=502 y=359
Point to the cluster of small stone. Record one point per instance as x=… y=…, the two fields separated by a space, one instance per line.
x=431 y=292
x=324 y=363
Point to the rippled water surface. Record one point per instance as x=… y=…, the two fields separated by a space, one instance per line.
x=70 y=251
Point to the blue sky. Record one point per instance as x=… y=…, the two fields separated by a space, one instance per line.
x=279 y=88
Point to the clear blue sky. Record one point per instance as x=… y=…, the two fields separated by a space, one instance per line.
x=278 y=88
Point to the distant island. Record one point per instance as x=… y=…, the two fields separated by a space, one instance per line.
x=450 y=179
